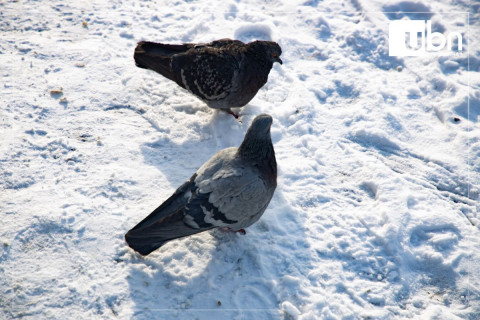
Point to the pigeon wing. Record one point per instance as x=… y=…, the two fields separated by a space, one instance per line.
x=222 y=43
x=207 y=72
x=232 y=197
x=176 y=202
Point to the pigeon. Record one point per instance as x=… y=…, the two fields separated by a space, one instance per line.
x=224 y=73
x=230 y=191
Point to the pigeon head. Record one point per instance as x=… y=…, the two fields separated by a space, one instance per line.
x=267 y=51
x=257 y=141
x=257 y=148
x=260 y=125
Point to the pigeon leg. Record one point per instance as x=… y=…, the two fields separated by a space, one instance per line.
x=232 y=113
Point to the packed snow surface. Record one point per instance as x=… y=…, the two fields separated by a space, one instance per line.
x=376 y=213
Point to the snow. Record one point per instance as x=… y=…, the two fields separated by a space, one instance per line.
x=376 y=214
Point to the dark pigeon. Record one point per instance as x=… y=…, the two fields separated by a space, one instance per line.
x=231 y=190
x=224 y=73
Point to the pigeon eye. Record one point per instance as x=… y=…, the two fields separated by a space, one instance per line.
x=274 y=55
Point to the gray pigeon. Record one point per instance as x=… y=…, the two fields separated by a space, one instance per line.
x=224 y=73
x=231 y=190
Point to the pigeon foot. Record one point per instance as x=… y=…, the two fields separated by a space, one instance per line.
x=241 y=231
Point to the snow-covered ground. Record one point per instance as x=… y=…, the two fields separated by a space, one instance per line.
x=376 y=214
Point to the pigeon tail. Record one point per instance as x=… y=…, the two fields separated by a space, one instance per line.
x=146 y=239
x=152 y=232
x=157 y=56
x=143 y=246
